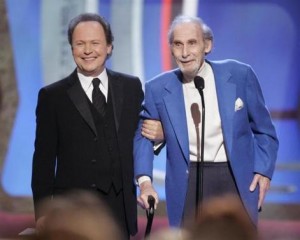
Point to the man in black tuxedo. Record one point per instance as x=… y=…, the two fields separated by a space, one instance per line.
x=78 y=146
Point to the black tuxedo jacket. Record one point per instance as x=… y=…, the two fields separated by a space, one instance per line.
x=65 y=133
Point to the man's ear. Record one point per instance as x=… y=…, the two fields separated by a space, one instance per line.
x=109 y=49
x=208 y=46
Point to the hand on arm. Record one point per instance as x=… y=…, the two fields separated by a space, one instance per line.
x=263 y=184
x=146 y=189
x=152 y=129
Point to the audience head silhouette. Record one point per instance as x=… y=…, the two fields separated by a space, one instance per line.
x=222 y=218
x=77 y=216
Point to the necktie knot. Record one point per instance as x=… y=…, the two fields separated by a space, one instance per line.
x=96 y=82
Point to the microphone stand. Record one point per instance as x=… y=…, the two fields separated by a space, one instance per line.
x=199 y=83
x=196 y=118
x=199 y=197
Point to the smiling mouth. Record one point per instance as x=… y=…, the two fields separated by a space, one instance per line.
x=186 y=62
x=88 y=58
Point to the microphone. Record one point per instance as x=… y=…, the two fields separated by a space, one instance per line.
x=199 y=83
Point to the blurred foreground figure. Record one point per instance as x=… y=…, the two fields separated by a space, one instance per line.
x=169 y=234
x=221 y=218
x=77 y=216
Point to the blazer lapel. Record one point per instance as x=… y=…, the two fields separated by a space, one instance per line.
x=226 y=92
x=115 y=88
x=80 y=100
x=174 y=102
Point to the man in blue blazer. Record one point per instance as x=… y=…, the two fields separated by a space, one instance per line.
x=240 y=142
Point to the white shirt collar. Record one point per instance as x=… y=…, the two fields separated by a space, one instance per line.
x=86 y=81
x=203 y=72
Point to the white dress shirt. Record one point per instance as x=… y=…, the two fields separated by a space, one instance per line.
x=86 y=83
x=214 y=149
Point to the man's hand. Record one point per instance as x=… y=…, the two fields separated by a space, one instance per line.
x=264 y=185
x=152 y=129
x=146 y=189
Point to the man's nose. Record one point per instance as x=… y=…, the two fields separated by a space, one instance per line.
x=88 y=48
x=185 y=51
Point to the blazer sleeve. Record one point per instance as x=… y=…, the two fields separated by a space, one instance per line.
x=44 y=157
x=265 y=138
x=143 y=147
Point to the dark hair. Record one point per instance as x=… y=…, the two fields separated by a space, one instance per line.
x=86 y=17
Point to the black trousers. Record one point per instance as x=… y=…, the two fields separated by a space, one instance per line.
x=115 y=202
x=218 y=180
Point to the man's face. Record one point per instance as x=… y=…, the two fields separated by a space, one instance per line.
x=89 y=48
x=189 y=48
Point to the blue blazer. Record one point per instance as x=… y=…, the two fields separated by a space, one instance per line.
x=249 y=135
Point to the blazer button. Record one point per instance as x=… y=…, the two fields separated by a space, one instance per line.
x=187 y=171
x=93 y=185
x=95 y=139
x=94 y=161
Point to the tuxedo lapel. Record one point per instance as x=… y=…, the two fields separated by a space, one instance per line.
x=174 y=102
x=115 y=88
x=80 y=100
